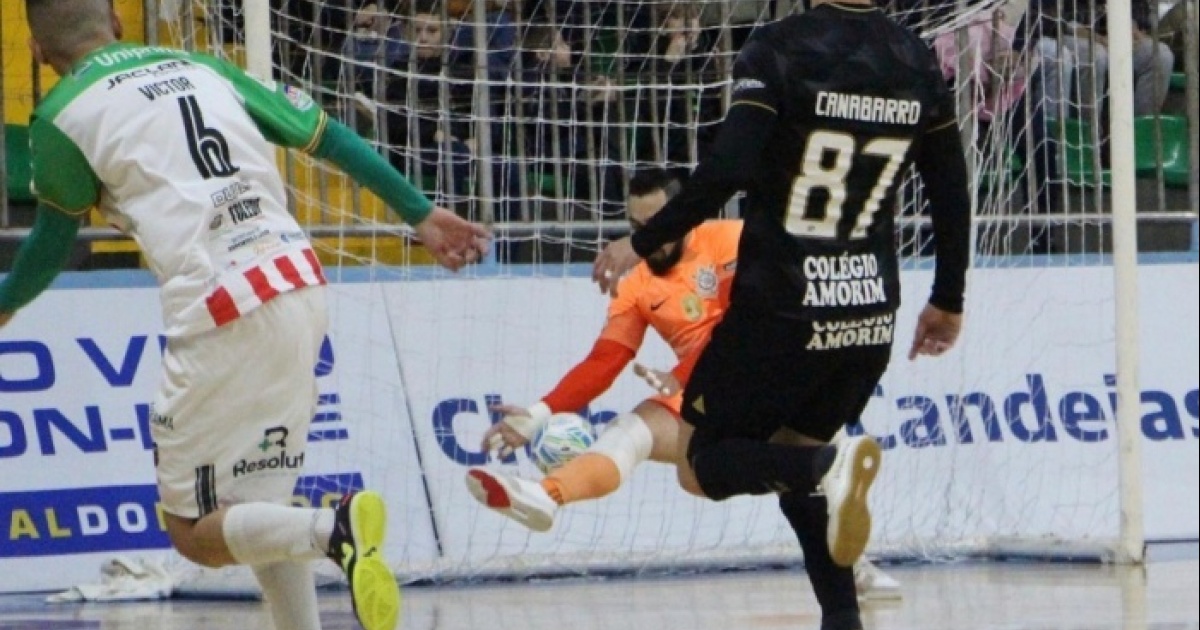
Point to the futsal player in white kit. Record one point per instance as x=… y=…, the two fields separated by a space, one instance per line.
x=177 y=149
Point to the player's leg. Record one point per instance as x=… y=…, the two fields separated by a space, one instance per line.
x=251 y=533
x=746 y=390
x=278 y=542
x=648 y=432
x=231 y=432
x=211 y=430
x=684 y=473
x=290 y=593
x=851 y=376
x=743 y=387
x=871 y=582
x=833 y=528
x=756 y=376
x=832 y=583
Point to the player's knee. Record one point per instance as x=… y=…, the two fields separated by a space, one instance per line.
x=204 y=559
x=664 y=430
x=710 y=474
x=687 y=481
x=187 y=547
x=187 y=544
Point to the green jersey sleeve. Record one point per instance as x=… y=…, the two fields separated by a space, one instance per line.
x=62 y=176
x=288 y=117
x=40 y=259
x=285 y=115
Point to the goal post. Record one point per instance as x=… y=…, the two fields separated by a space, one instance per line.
x=258 y=38
x=1120 y=46
x=1026 y=440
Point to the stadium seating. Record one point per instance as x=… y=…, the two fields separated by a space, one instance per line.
x=1178 y=81
x=1079 y=152
x=1174 y=148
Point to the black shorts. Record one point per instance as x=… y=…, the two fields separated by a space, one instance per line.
x=762 y=373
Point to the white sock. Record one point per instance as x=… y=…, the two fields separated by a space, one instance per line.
x=626 y=441
x=322 y=528
x=265 y=533
x=291 y=594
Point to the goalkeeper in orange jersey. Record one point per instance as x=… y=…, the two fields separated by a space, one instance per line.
x=681 y=291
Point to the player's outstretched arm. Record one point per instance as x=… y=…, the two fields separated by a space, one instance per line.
x=290 y=118
x=42 y=256
x=67 y=188
x=452 y=240
x=729 y=168
x=581 y=385
x=943 y=170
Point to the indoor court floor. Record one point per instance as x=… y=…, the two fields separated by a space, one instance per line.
x=1161 y=595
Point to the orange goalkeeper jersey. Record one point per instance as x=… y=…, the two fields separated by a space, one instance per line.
x=684 y=305
x=681 y=306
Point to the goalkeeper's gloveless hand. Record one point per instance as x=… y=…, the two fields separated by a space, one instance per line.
x=614 y=262
x=664 y=383
x=515 y=429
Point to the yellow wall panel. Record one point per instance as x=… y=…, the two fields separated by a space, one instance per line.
x=17 y=62
x=20 y=94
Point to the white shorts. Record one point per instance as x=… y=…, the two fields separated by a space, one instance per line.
x=230 y=420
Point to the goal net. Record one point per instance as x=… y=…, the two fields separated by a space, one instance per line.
x=527 y=115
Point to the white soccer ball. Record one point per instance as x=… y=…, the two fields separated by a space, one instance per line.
x=563 y=438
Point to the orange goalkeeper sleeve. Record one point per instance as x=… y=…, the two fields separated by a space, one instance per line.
x=590 y=378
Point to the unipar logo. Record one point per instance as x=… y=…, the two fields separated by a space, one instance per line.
x=110 y=59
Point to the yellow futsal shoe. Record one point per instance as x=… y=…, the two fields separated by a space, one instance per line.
x=356 y=546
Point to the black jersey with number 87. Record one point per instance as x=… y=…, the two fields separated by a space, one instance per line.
x=853 y=92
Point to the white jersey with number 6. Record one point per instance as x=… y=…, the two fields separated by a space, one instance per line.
x=176 y=150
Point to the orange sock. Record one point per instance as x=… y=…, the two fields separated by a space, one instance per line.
x=589 y=476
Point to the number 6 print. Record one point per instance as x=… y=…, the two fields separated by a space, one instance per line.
x=209 y=149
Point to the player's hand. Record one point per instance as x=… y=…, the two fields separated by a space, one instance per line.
x=5 y=318
x=615 y=261
x=452 y=240
x=937 y=330
x=513 y=431
x=664 y=383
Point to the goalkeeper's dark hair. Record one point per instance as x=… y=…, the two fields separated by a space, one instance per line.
x=651 y=179
x=61 y=27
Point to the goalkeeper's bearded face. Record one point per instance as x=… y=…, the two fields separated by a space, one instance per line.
x=641 y=210
x=661 y=261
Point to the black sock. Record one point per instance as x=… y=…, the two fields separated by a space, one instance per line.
x=727 y=468
x=832 y=584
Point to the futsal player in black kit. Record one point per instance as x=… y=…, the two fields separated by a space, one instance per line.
x=829 y=110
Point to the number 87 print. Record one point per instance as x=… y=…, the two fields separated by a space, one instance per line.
x=806 y=218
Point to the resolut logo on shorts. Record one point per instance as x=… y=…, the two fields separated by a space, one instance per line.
x=282 y=461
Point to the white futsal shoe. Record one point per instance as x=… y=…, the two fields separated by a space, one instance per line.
x=872 y=583
x=845 y=485
x=525 y=502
